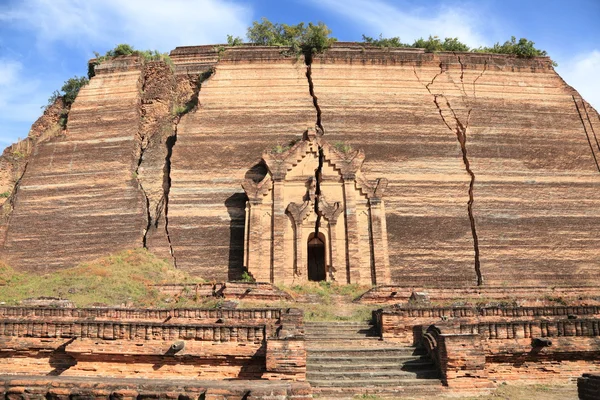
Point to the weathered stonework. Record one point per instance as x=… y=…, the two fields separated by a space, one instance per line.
x=476 y=347
x=491 y=163
x=166 y=344
x=313 y=192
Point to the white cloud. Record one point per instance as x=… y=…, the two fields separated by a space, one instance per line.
x=581 y=72
x=412 y=24
x=155 y=24
x=66 y=33
x=16 y=89
x=20 y=100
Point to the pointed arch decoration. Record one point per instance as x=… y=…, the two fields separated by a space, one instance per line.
x=313 y=188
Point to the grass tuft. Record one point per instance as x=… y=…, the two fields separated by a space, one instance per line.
x=121 y=278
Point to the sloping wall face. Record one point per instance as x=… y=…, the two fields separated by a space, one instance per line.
x=255 y=100
x=492 y=162
x=79 y=198
x=492 y=174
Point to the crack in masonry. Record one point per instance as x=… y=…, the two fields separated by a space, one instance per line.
x=480 y=75
x=148 y=214
x=16 y=186
x=318 y=171
x=169 y=144
x=462 y=74
x=311 y=90
x=461 y=135
x=586 y=133
x=434 y=78
x=143 y=147
x=591 y=126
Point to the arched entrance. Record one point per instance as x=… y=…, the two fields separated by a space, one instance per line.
x=316 y=257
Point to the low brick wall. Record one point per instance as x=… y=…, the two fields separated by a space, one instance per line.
x=110 y=313
x=588 y=387
x=403 y=324
x=501 y=351
x=460 y=359
x=121 y=343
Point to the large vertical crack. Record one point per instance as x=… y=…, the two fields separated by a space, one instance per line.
x=319 y=124
x=591 y=125
x=587 y=135
x=191 y=105
x=146 y=199
x=311 y=90
x=460 y=130
x=170 y=143
x=318 y=172
x=143 y=146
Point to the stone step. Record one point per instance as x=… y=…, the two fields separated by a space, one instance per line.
x=374 y=374
x=338 y=327
x=341 y=332
x=340 y=336
x=375 y=351
x=367 y=360
x=383 y=392
x=366 y=383
x=337 y=323
x=414 y=365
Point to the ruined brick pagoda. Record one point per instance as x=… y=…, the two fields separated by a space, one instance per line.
x=461 y=174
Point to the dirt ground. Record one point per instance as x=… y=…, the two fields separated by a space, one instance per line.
x=525 y=392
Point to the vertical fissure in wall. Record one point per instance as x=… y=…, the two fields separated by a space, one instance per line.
x=147 y=200
x=587 y=135
x=170 y=143
x=318 y=172
x=311 y=89
x=591 y=125
x=13 y=196
x=143 y=146
x=461 y=134
x=191 y=105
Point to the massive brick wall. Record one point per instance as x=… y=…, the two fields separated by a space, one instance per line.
x=523 y=138
x=255 y=100
x=79 y=198
x=492 y=162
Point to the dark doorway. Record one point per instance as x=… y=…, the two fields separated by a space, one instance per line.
x=316 y=258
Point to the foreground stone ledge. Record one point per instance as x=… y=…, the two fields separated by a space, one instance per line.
x=227 y=290
x=67 y=388
x=163 y=315
x=573 y=294
x=235 y=344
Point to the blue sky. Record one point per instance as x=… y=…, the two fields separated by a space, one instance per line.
x=45 y=42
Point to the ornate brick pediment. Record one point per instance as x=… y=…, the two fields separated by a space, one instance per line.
x=292 y=229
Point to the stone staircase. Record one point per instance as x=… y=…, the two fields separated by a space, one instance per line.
x=345 y=359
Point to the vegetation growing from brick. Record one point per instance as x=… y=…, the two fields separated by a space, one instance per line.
x=126 y=50
x=121 y=278
x=522 y=48
x=301 y=38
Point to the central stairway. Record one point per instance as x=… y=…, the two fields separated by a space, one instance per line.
x=345 y=359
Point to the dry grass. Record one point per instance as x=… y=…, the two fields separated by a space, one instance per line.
x=122 y=278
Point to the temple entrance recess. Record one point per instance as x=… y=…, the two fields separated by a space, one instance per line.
x=312 y=186
x=316 y=258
